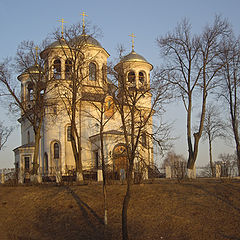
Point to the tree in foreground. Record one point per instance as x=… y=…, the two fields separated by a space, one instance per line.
x=136 y=101
x=193 y=64
x=230 y=87
x=75 y=85
x=214 y=127
x=32 y=102
x=103 y=111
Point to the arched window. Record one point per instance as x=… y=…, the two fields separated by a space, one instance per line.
x=92 y=72
x=22 y=92
x=30 y=91
x=57 y=69
x=104 y=73
x=69 y=133
x=144 y=139
x=68 y=68
x=45 y=162
x=131 y=77
x=109 y=107
x=141 y=77
x=56 y=151
x=27 y=163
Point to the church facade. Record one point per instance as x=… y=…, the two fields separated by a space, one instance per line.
x=55 y=148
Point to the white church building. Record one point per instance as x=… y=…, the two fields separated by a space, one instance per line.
x=55 y=149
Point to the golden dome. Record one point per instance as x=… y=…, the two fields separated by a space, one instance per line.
x=31 y=70
x=83 y=39
x=133 y=57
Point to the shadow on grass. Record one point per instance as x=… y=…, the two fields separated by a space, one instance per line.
x=61 y=221
x=229 y=237
x=217 y=195
x=86 y=210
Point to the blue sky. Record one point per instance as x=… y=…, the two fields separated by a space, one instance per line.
x=34 y=20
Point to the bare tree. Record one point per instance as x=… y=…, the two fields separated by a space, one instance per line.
x=72 y=47
x=178 y=165
x=206 y=171
x=230 y=86
x=103 y=111
x=32 y=104
x=192 y=63
x=136 y=105
x=228 y=163
x=4 y=134
x=213 y=128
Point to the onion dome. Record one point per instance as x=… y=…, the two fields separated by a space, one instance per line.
x=31 y=70
x=85 y=39
x=134 y=57
x=57 y=44
x=82 y=40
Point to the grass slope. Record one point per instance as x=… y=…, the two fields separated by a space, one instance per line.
x=166 y=210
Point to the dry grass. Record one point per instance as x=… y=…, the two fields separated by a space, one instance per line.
x=164 y=210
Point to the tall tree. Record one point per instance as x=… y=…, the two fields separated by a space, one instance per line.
x=73 y=44
x=214 y=127
x=31 y=102
x=102 y=112
x=193 y=65
x=136 y=104
x=230 y=86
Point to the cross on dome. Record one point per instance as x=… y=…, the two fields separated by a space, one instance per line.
x=62 y=21
x=83 y=14
x=133 y=36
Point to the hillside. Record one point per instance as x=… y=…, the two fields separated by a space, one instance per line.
x=164 y=210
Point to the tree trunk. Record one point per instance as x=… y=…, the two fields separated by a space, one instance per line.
x=36 y=153
x=238 y=158
x=125 y=210
x=190 y=162
x=210 y=157
x=105 y=203
x=76 y=143
x=126 y=201
x=194 y=152
x=36 y=148
x=236 y=137
x=104 y=174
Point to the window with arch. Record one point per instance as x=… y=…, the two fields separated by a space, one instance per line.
x=45 y=162
x=30 y=91
x=56 y=151
x=92 y=72
x=69 y=133
x=141 y=76
x=22 y=92
x=109 y=107
x=68 y=68
x=27 y=163
x=104 y=73
x=144 y=139
x=131 y=77
x=57 y=69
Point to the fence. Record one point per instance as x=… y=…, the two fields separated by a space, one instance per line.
x=7 y=174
